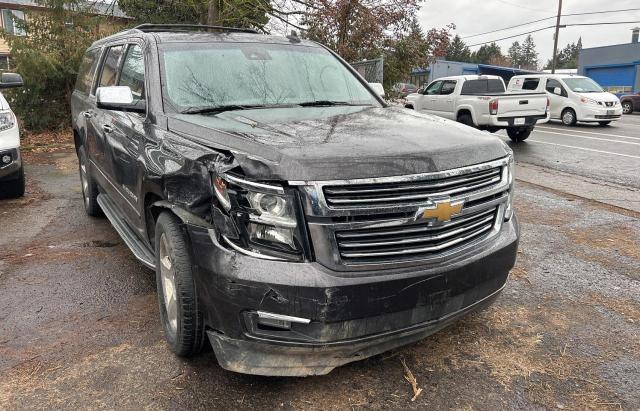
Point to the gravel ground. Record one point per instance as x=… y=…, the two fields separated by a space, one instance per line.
x=79 y=323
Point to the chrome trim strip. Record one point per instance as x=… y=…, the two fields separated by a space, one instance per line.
x=252 y=185
x=251 y=253
x=272 y=316
x=415 y=250
x=447 y=234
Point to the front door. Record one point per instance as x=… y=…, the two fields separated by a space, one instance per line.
x=428 y=99
x=557 y=102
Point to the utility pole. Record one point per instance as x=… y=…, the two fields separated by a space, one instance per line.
x=555 y=39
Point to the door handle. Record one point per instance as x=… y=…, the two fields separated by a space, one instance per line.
x=87 y=114
x=107 y=128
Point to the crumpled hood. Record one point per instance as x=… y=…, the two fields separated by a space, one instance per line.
x=335 y=143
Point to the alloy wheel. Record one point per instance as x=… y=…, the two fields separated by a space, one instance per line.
x=627 y=108
x=168 y=279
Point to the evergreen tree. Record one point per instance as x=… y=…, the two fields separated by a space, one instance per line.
x=458 y=50
x=529 y=55
x=515 y=54
x=487 y=54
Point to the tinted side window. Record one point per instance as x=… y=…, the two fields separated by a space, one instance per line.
x=132 y=72
x=530 y=83
x=87 y=70
x=110 y=67
x=448 y=87
x=433 y=88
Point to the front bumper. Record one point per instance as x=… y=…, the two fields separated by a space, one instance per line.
x=600 y=114
x=353 y=315
x=11 y=170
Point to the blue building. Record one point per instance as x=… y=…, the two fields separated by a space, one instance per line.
x=616 y=68
x=444 y=68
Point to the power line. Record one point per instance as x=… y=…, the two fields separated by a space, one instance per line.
x=551 y=27
x=549 y=18
x=521 y=6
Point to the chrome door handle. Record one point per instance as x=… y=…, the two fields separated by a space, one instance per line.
x=107 y=128
x=87 y=114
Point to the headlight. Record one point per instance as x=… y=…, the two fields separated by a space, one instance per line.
x=508 y=212
x=590 y=101
x=7 y=120
x=264 y=214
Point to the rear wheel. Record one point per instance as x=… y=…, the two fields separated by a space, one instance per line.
x=604 y=123
x=569 y=117
x=466 y=119
x=89 y=187
x=627 y=107
x=179 y=314
x=518 y=134
x=13 y=188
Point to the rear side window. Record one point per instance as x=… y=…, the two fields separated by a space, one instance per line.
x=132 y=73
x=86 y=71
x=109 y=72
x=530 y=84
x=483 y=86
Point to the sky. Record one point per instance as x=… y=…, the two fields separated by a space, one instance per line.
x=478 y=16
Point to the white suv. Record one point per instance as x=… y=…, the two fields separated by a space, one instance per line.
x=572 y=98
x=11 y=168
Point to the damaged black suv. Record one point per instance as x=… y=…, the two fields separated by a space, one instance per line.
x=294 y=220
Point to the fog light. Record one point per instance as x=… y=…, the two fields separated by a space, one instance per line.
x=261 y=232
x=6 y=159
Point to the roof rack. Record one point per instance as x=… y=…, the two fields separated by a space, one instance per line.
x=149 y=28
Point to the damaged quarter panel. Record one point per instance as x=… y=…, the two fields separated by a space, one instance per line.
x=295 y=221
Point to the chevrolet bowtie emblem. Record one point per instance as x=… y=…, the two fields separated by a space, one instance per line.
x=442 y=211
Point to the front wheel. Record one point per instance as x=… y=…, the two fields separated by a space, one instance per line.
x=627 y=107
x=604 y=123
x=519 y=134
x=569 y=117
x=179 y=314
x=13 y=188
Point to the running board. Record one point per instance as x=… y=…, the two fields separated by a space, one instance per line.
x=137 y=247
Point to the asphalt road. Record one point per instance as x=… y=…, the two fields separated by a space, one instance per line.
x=610 y=154
x=79 y=321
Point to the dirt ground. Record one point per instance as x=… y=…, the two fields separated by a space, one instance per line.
x=79 y=324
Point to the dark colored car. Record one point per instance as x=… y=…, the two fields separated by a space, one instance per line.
x=294 y=220
x=630 y=103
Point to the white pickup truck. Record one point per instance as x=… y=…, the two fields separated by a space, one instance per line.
x=482 y=102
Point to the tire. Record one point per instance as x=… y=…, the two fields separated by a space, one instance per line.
x=604 y=123
x=627 y=107
x=13 y=188
x=409 y=106
x=89 y=187
x=179 y=313
x=569 y=117
x=519 y=134
x=466 y=119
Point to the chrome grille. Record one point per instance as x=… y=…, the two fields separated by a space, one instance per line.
x=414 y=241
x=399 y=193
x=361 y=225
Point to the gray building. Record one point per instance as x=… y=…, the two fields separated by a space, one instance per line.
x=616 y=68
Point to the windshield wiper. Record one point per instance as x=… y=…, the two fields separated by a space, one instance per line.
x=229 y=107
x=328 y=103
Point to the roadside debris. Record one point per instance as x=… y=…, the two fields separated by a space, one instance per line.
x=408 y=375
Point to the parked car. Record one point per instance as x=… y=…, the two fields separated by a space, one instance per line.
x=402 y=90
x=12 y=183
x=630 y=103
x=292 y=218
x=482 y=102
x=573 y=98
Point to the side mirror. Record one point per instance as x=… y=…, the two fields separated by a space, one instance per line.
x=118 y=98
x=378 y=88
x=557 y=91
x=11 y=80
